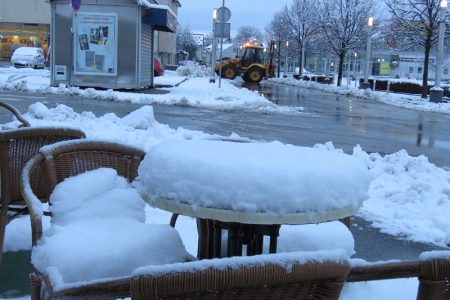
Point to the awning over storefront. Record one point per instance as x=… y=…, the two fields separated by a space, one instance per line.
x=161 y=18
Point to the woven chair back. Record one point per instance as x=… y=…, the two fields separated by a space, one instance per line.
x=74 y=158
x=310 y=281
x=20 y=145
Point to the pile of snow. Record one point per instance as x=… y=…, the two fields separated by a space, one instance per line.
x=170 y=79
x=194 y=70
x=101 y=225
x=398 y=289
x=139 y=128
x=244 y=177
x=401 y=100
x=194 y=92
x=409 y=197
x=25 y=79
x=313 y=237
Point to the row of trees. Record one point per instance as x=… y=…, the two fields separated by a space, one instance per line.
x=339 y=27
x=334 y=26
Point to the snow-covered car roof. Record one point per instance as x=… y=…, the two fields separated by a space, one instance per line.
x=26 y=50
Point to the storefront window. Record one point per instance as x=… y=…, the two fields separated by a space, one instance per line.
x=15 y=35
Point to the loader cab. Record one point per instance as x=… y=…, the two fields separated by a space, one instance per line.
x=252 y=55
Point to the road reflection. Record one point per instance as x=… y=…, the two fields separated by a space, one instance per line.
x=389 y=128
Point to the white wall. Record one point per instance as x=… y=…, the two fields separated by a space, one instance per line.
x=25 y=11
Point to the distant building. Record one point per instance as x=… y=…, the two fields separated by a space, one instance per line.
x=166 y=43
x=30 y=26
x=200 y=41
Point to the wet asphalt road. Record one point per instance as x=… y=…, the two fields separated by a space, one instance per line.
x=345 y=121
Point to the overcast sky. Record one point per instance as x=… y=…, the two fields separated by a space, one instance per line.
x=197 y=14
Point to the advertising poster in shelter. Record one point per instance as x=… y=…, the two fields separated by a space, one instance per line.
x=96 y=44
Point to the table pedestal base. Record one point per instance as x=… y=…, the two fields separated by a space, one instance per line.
x=251 y=235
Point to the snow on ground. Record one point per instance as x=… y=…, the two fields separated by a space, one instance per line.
x=194 y=91
x=190 y=87
x=400 y=100
x=170 y=79
x=408 y=196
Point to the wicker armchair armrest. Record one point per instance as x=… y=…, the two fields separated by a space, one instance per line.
x=432 y=269
x=16 y=113
x=33 y=202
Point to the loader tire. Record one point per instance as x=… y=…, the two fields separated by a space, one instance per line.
x=254 y=75
x=229 y=72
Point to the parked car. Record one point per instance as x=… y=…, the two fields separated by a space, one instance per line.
x=158 y=68
x=28 y=57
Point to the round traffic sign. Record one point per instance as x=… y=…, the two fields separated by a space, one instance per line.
x=223 y=14
x=76 y=4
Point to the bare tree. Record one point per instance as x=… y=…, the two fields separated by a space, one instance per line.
x=417 y=22
x=186 y=42
x=342 y=23
x=301 y=26
x=277 y=32
x=248 y=34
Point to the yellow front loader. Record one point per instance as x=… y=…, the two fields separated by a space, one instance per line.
x=251 y=66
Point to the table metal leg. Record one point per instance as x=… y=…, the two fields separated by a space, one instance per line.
x=202 y=238
x=217 y=246
x=347 y=222
x=234 y=247
x=173 y=220
x=210 y=238
x=274 y=233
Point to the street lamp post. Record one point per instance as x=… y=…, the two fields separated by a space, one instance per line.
x=221 y=44
x=365 y=84
x=354 y=69
x=436 y=93
x=213 y=50
x=286 y=67
x=278 y=57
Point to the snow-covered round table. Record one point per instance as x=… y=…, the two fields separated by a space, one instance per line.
x=250 y=189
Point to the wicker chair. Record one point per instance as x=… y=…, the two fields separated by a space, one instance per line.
x=303 y=281
x=432 y=269
x=17 y=146
x=66 y=159
x=243 y=278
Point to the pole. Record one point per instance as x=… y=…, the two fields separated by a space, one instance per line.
x=349 y=67
x=278 y=58
x=436 y=92
x=303 y=59
x=315 y=65
x=365 y=84
x=213 y=50
x=368 y=49
x=286 y=68
x=221 y=44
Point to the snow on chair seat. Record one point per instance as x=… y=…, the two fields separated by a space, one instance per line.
x=97 y=228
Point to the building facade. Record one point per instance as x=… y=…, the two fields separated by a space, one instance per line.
x=30 y=26
x=166 y=42
x=23 y=23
